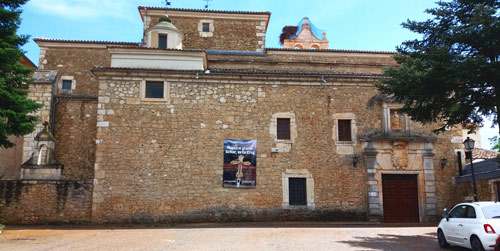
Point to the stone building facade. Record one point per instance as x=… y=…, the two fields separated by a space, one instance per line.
x=139 y=129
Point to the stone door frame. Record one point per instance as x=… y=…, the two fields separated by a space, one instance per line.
x=297 y=173
x=426 y=184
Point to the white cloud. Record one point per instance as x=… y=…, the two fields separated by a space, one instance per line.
x=83 y=9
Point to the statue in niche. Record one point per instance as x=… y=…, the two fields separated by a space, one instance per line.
x=396 y=121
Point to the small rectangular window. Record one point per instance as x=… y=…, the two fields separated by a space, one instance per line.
x=206 y=27
x=66 y=84
x=297 y=191
x=162 y=41
x=154 y=89
x=283 y=129
x=344 y=129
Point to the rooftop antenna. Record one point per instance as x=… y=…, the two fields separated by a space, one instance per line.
x=207 y=3
x=167 y=3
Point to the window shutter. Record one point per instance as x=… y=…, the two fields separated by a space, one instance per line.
x=344 y=130
x=283 y=129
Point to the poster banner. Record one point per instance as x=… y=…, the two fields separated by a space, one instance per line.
x=240 y=163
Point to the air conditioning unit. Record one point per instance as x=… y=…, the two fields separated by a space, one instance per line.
x=274 y=150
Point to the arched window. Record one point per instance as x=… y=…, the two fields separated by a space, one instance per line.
x=298 y=47
x=314 y=47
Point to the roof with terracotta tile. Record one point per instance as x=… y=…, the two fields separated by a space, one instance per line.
x=480 y=153
x=331 y=50
x=209 y=11
x=39 y=39
x=248 y=72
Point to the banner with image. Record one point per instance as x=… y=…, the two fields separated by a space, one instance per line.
x=240 y=163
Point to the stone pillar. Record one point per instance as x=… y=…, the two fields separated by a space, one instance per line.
x=374 y=210
x=41 y=90
x=430 y=184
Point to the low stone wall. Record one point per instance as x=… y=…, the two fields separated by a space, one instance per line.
x=226 y=214
x=38 y=202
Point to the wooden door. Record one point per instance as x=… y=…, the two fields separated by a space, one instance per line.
x=400 y=192
x=297 y=191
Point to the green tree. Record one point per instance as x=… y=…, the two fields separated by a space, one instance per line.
x=14 y=77
x=452 y=73
x=496 y=143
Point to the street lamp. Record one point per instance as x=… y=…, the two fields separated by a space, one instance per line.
x=469 y=146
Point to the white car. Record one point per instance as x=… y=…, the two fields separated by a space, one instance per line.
x=471 y=225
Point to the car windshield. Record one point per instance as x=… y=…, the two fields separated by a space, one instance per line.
x=491 y=211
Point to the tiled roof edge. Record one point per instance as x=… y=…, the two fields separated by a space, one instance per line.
x=202 y=10
x=331 y=50
x=217 y=71
x=82 y=41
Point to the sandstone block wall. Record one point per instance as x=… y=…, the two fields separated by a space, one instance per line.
x=158 y=160
x=11 y=159
x=41 y=202
x=42 y=94
x=75 y=130
x=235 y=35
x=76 y=62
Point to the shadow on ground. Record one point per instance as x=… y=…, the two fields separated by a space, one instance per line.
x=426 y=241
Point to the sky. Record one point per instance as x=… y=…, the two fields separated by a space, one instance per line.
x=373 y=25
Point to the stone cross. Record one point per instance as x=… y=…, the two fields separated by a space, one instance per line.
x=240 y=164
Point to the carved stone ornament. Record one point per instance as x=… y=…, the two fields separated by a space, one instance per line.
x=400 y=155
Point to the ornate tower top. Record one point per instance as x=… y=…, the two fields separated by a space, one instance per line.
x=304 y=36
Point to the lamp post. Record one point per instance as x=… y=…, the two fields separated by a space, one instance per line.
x=469 y=146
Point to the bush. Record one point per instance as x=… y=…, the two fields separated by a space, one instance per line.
x=164 y=19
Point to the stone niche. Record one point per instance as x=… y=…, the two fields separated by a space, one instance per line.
x=43 y=164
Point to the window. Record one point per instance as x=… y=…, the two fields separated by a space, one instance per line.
x=344 y=130
x=458 y=212
x=283 y=128
x=297 y=191
x=205 y=27
x=154 y=89
x=66 y=84
x=471 y=213
x=162 y=41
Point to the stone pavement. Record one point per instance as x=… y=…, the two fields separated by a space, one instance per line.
x=232 y=236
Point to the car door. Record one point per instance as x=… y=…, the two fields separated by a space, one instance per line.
x=454 y=226
x=468 y=223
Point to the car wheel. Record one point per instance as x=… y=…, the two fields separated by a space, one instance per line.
x=476 y=244
x=442 y=240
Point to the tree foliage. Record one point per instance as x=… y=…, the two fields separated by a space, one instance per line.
x=14 y=105
x=452 y=73
x=496 y=143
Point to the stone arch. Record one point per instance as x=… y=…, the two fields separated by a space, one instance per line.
x=314 y=47
x=298 y=47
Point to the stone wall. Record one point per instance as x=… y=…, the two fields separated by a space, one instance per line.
x=42 y=94
x=157 y=161
x=75 y=130
x=228 y=34
x=77 y=62
x=11 y=159
x=41 y=202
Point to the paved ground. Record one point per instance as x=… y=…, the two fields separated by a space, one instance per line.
x=252 y=236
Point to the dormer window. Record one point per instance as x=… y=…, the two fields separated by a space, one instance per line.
x=162 y=41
